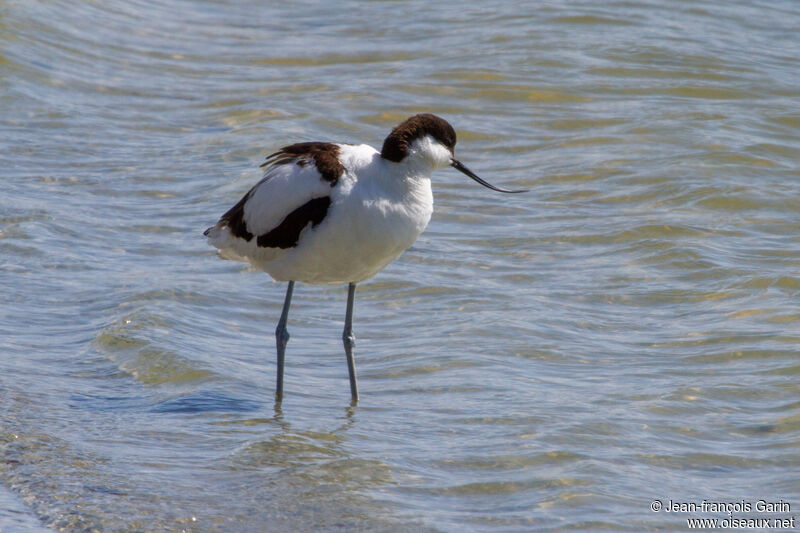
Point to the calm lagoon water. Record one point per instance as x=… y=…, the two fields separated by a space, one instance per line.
x=627 y=331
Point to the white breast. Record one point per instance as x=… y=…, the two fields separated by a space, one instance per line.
x=374 y=216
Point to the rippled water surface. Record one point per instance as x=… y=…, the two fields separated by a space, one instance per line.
x=627 y=331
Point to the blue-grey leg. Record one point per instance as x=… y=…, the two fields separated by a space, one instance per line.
x=350 y=340
x=282 y=337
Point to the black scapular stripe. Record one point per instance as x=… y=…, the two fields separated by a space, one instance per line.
x=325 y=157
x=286 y=234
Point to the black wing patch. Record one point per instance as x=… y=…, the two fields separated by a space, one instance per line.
x=234 y=219
x=287 y=233
x=325 y=157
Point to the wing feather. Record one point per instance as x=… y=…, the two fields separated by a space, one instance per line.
x=293 y=176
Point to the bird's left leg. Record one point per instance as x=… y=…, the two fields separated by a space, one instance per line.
x=350 y=340
x=282 y=338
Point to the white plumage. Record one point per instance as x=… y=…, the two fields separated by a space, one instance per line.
x=377 y=210
x=338 y=213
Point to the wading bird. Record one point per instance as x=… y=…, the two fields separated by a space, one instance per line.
x=328 y=213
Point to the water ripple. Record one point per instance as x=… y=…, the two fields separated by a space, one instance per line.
x=531 y=363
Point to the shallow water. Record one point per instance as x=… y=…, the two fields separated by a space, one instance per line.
x=627 y=331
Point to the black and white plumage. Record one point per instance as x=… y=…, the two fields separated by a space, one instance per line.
x=338 y=213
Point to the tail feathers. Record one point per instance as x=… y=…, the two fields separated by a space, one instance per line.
x=212 y=232
x=219 y=235
x=230 y=247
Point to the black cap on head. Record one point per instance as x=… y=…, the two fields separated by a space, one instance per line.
x=396 y=145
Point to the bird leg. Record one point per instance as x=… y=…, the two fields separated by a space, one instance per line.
x=282 y=338
x=350 y=340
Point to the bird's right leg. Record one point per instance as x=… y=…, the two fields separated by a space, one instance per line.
x=350 y=341
x=282 y=338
